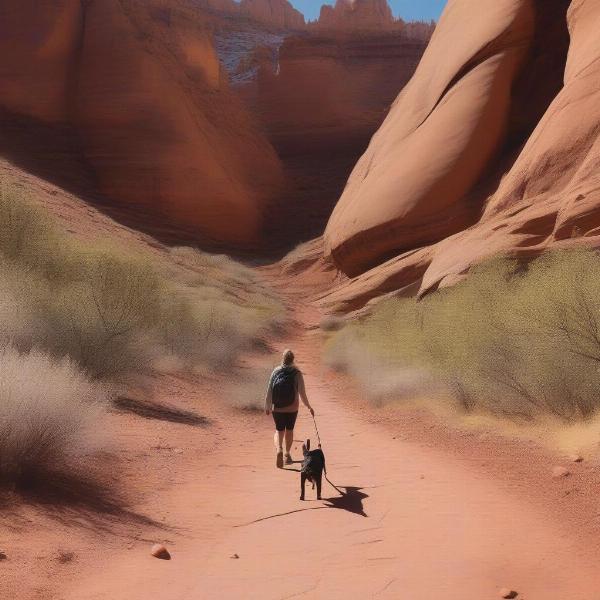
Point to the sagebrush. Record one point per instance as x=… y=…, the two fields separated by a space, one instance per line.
x=49 y=415
x=517 y=339
x=119 y=313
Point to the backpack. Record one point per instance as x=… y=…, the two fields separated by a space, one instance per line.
x=284 y=387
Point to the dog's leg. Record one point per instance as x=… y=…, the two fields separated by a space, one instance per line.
x=302 y=483
x=318 y=478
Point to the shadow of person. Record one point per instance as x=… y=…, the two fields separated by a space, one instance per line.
x=351 y=500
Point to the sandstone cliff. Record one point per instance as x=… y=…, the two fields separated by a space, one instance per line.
x=491 y=153
x=320 y=98
x=139 y=86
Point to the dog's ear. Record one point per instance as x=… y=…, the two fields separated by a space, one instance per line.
x=308 y=444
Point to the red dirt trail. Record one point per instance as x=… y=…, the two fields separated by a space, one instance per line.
x=414 y=523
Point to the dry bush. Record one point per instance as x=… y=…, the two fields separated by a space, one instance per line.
x=517 y=340
x=248 y=392
x=49 y=414
x=332 y=323
x=118 y=314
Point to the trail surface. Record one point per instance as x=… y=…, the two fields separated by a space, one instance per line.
x=410 y=524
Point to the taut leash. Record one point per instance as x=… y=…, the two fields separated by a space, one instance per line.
x=326 y=478
x=316 y=429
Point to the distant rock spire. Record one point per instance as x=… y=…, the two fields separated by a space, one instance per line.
x=357 y=15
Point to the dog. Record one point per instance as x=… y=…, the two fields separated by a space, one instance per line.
x=312 y=469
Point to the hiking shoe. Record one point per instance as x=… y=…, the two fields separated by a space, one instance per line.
x=288 y=459
x=280 y=459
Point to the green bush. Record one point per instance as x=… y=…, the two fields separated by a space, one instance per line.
x=514 y=339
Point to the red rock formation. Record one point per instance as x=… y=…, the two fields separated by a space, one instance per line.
x=545 y=193
x=320 y=99
x=409 y=188
x=37 y=46
x=277 y=13
x=357 y=15
x=477 y=90
x=140 y=85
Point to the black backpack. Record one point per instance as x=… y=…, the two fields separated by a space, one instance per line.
x=284 y=387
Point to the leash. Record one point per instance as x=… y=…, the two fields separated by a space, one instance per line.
x=316 y=429
x=320 y=445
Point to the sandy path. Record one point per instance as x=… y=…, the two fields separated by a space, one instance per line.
x=414 y=524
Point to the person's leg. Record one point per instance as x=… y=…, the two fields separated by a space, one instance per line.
x=289 y=435
x=278 y=437
x=289 y=440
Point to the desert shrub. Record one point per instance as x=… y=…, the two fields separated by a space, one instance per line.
x=332 y=323
x=118 y=313
x=247 y=393
x=49 y=413
x=514 y=339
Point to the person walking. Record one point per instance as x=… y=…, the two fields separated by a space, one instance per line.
x=286 y=389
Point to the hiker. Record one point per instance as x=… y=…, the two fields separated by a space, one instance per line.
x=286 y=387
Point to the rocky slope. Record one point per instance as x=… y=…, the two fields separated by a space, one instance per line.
x=488 y=153
x=135 y=90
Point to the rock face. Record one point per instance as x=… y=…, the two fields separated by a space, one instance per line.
x=357 y=15
x=483 y=152
x=320 y=98
x=140 y=87
x=278 y=13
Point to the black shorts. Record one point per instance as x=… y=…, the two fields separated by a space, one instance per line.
x=285 y=420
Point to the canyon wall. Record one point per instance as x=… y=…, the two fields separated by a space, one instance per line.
x=319 y=99
x=128 y=103
x=140 y=88
x=497 y=152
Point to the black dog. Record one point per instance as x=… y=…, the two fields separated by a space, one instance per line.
x=313 y=466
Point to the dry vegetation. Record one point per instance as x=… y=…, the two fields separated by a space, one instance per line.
x=48 y=414
x=97 y=315
x=517 y=340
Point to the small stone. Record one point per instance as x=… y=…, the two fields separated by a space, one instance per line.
x=3 y=556
x=65 y=557
x=576 y=458
x=560 y=472
x=507 y=593
x=235 y=556
x=159 y=551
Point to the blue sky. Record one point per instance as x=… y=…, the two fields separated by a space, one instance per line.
x=407 y=9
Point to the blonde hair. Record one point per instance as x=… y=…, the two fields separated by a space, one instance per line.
x=288 y=358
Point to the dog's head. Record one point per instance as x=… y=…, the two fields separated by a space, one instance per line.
x=306 y=447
